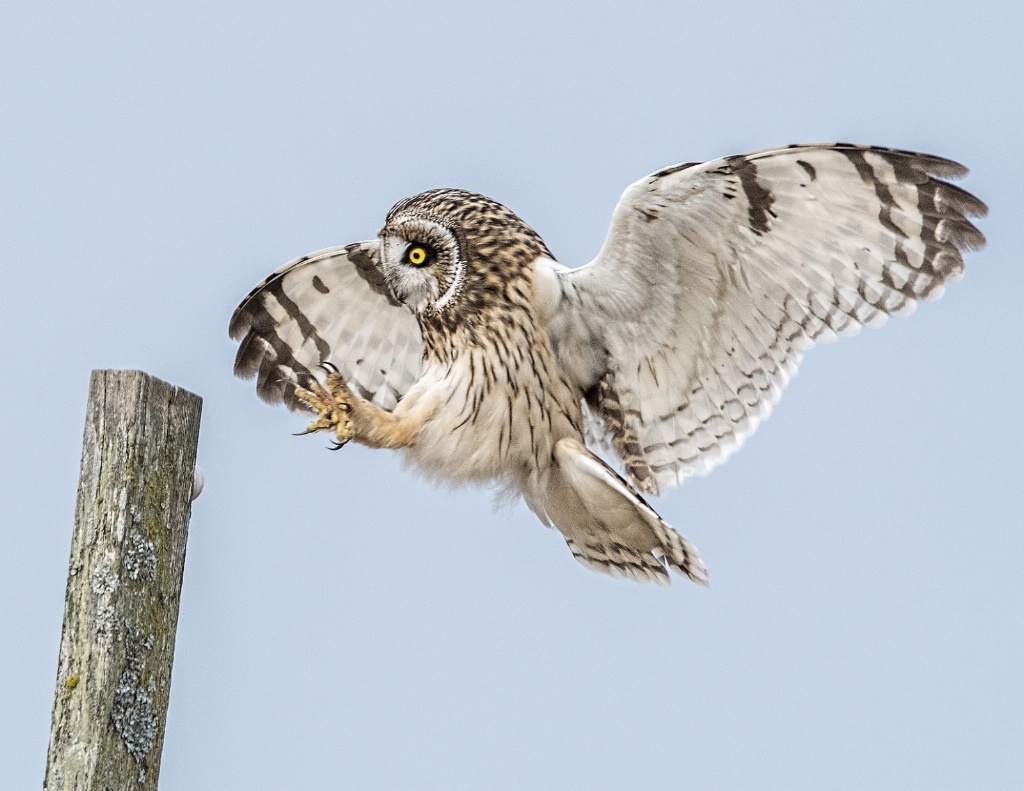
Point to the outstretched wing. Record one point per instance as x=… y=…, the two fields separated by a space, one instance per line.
x=715 y=277
x=331 y=306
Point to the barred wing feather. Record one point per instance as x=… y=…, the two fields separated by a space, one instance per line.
x=331 y=306
x=714 y=278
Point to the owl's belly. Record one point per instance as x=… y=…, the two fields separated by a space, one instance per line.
x=485 y=430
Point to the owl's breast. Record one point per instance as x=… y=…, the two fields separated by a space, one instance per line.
x=494 y=420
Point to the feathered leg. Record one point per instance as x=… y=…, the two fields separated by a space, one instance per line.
x=608 y=526
x=352 y=417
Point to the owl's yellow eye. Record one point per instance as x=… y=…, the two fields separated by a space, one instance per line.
x=417 y=255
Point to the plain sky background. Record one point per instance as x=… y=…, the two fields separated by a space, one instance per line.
x=343 y=624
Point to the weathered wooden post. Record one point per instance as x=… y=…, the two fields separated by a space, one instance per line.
x=124 y=584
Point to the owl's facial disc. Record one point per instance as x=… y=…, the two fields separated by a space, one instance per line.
x=421 y=262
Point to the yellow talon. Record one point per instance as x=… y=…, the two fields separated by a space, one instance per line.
x=333 y=404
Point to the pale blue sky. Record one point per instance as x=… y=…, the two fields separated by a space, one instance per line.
x=343 y=624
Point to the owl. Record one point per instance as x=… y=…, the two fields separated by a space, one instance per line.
x=456 y=338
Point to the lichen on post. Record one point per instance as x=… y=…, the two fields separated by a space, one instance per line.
x=124 y=583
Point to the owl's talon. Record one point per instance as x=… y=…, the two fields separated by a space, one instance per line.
x=333 y=405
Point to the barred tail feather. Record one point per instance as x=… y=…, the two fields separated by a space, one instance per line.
x=608 y=526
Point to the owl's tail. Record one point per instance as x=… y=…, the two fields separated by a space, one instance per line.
x=608 y=526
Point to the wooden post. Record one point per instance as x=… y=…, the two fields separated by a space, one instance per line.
x=124 y=584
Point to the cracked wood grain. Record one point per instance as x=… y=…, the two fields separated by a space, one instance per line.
x=124 y=584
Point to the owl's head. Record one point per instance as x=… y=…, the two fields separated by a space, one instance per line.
x=446 y=246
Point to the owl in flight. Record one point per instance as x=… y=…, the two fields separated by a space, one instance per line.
x=456 y=338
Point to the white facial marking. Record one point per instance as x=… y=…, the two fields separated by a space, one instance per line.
x=456 y=283
x=419 y=287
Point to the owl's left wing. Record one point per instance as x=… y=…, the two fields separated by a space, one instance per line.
x=332 y=306
x=715 y=277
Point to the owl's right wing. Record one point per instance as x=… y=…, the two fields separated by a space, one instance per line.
x=332 y=306
x=715 y=278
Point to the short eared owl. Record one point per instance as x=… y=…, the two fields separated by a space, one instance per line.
x=455 y=337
